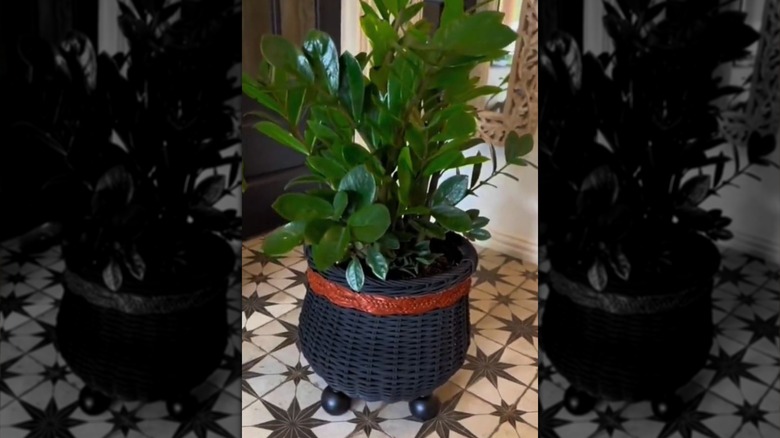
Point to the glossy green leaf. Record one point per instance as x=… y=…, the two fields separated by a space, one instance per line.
x=410 y=12
x=695 y=189
x=381 y=34
x=324 y=57
x=304 y=180
x=210 y=190
x=453 y=10
x=451 y=191
x=340 y=202
x=597 y=275
x=281 y=136
x=351 y=89
x=283 y=55
x=418 y=210
x=377 y=262
x=405 y=176
x=479 y=234
x=315 y=229
x=355 y=276
x=452 y=218
x=516 y=146
x=329 y=168
x=390 y=241
x=360 y=181
x=295 y=103
x=442 y=162
x=457 y=126
x=369 y=223
x=416 y=139
x=284 y=239
x=332 y=248
x=493 y=35
x=476 y=171
x=302 y=207
x=355 y=155
x=252 y=89
x=480 y=222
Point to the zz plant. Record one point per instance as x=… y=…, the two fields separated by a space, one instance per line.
x=380 y=145
x=634 y=141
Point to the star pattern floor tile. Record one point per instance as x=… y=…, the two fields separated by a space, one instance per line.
x=736 y=395
x=495 y=394
x=38 y=392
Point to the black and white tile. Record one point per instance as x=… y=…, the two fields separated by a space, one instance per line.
x=495 y=394
x=39 y=393
x=737 y=394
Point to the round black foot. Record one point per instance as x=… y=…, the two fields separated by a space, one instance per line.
x=335 y=403
x=424 y=408
x=578 y=402
x=181 y=408
x=93 y=402
x=667 y=408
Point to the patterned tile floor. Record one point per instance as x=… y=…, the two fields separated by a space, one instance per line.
x=737 y=394
x=39 y=394
x=495 y=394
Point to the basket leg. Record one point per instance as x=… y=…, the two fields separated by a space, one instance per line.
x=424 y=408
x=334 y=402
x=578 y=402
x=181 y=407
x=93 y=402
x=667 y=408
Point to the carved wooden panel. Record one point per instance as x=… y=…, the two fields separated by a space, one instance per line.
x=520 y=112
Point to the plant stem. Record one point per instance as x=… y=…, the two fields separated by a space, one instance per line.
x=487 y=180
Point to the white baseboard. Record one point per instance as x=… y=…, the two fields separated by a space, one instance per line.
x=514 y=246
x=754 y=245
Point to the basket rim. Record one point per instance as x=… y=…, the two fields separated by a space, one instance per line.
x=432 y=284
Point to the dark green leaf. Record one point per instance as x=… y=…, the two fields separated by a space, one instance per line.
x=380 y=34
x=452 y=218
x=284 y=239
x=134 y=263
x=303 y=180
x=476 y=172
x=480 y=222
x=418 y=210
x=281 y=136
x=516 y=146
x=453 y=10
x=377 y=262
x=340 y=204
x=252 y=89
x=451 y=191
x=479 y=234
x=457 y=126
x=597 y=275
x=695 y=189
x=442 y=162
x=390 y=241
x=114 y=190
x=620 y=264
x=355 y=276
x=332 y=247
x=210 y=190
x=410 y=12
x=360 y=181
x=283 y=55
x=355 y=155
x=295 y=100
x=330 y=169
x=324 y=56
x=369 y=223
x=352 y=89
x=112 y=275
x=405 y=176
x=302 y=207
x=460 y=37
x=315 y=229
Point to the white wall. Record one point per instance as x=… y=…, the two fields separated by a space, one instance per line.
x=513 y=208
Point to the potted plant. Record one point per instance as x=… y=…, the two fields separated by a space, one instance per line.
x=140 y=140
x=386 y=312
x=632 y=143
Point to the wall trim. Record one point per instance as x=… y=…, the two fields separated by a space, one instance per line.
x=754 y=245
x=513 y=245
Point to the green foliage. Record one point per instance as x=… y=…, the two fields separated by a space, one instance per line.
x=630 y=139
x=377 y=207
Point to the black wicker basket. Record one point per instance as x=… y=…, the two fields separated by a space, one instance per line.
x=389 y=358
x=616 y=345
x=145 y=342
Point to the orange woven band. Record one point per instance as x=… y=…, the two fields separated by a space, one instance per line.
x=385 y=306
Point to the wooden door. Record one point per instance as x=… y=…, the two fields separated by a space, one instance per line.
x=268 y=165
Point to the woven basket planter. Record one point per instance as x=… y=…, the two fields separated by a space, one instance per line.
x=377 y=345
x=144 y=342
x=621 y=345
